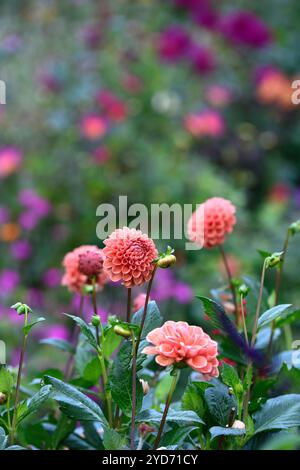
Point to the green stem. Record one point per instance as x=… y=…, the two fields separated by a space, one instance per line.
x=244 y=319
x=167 y=406
x=128 y=304
x=134 y=356
x=230 y=280
x=21 y=362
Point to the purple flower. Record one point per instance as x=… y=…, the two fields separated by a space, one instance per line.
x=9 y=281
x=183 y=293
x=56 y=332
x=35 y=298
x=21 y=249
x=206 y=17
x=52 y=277
x=245 y=28
x=173 y=44
x=202 y=59
x=31 y=200
x=28 y=220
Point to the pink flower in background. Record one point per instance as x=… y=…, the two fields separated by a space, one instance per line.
x=129 y=256
x=139 y=302
x=206 y=17
x=202 y=59
x=10 y=161
x=73 y=278
x=173 y=44
x=245 y=28
x=52 y=277
x=91 y=34
x=207 y=123
x=93 y=126
x=113 y=107
x=214 y=219
x=234 y=265
x=9 y=281
x=36 y=208
x=177 y=342
x=132 y=83
x=218 y=95
x=21 y=249
x=56 y=332
x=101 y=155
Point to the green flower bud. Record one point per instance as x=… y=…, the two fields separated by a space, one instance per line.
x=96 y=320
x=3 y=398
x=243 y=290
x=166 y=261
x=294 y=227
x=120 y=331
x=274 y=260
x=21 y=308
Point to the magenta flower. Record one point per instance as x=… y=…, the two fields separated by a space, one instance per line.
x=9 y=281
x=245 y=28
x=202 y=59
x=173 y=44
x=21 y=250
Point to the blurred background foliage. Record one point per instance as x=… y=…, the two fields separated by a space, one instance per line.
x=165 y=102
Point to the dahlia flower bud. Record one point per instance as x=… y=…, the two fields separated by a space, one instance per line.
x=21 y=308
x=212 y=222
x=274 y=260
x=179 y=344
x=120 y=331
x=96 y=320
x=166 y=261
x=294 y=227
x=144 y=429
x=237 y=424
x=90 y=263
x=129 y=256
x=145 y=386
x=3 y=398
x=244 y=290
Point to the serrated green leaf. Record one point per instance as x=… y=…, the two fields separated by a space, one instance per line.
x=75 y=404
x=153 y=318
x=216 y=431
x=272 y=314
x=176 y=436
x=34 y=403
x=229 y=375
x=112 y=440
x=220 y=404
x=174 y=416
x=111 y=342
x=282 y=412
x=85 y=329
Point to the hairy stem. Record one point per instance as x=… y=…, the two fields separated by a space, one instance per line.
x=232 y=288
x=167 y=406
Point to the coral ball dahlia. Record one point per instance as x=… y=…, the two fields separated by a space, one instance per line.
x=178 y=342
x=82 y=263
x=129 y=256
x=211 y=222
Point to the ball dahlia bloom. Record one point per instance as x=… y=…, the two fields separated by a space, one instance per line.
x=178 y=342
x=74 y=278
x=129 y=256
x=211 y=222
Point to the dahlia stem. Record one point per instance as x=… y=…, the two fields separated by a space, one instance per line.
x=101 y=358
x=167 y=406
x=129 y=291
x=230 y=280
x=21 y=362
x=279 y=271
x=76 y=330
x=261 y=289
x=244 y=319
x=134 y=355
x=145 y=308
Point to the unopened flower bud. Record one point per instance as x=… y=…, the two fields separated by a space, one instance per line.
x=96 y=320
x=3 y=398
x=122 y=332
x=21 y=308
x=274 y=260
x=90 y=263
x=230 y=391
x=243 y=290
x=145 y=386
x=237 y=424
x=145 y=428
x=294 y=227
x=166 y=261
